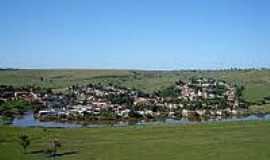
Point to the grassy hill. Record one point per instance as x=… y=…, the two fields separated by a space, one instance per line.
x=222 y=141
x=256 y=82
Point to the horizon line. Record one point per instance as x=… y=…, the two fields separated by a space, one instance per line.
x=138 y=69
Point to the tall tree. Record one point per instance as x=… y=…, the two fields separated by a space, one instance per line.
x=24 y=141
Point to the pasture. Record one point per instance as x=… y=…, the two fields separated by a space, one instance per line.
x=216 y=141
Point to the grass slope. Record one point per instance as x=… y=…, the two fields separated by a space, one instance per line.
x=223 y=141
x=257 y=83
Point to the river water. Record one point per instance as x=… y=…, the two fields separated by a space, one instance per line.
x=28 y=120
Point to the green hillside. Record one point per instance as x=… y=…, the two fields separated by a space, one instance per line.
x=256 y=82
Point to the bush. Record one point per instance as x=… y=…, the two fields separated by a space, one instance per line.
x=13 y=107
x=171 y=91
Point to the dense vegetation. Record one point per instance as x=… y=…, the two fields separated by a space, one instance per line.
x=14 y=107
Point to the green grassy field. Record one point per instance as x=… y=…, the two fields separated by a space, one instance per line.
x=223 y=141
x=257 y=83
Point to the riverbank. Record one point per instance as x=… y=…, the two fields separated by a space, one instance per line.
x=230 y=140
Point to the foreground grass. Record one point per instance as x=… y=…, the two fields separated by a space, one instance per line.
x=230 y=141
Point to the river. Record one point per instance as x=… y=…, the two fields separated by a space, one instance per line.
x=28 y=120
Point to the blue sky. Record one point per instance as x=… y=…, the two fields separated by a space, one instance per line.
x=135 y=34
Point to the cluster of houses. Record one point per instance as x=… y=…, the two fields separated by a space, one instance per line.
x=9 y=93
x=196 y=97
x=209 y=89
x=204 y=96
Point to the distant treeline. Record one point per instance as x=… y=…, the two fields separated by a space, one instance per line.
x=183 y=70
x=8 y=69
x=227 y=69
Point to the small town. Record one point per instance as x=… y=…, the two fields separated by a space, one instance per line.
x=198 y=97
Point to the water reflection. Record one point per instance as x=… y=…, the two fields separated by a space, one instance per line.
x=28 y=120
